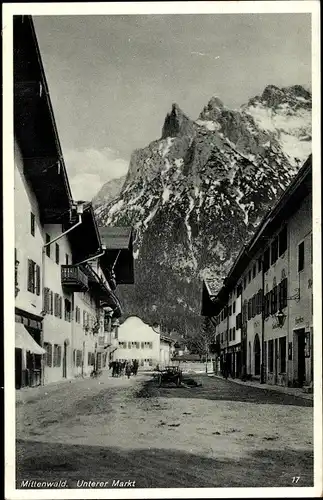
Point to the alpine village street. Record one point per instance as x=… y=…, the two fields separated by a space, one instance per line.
x=107 y=399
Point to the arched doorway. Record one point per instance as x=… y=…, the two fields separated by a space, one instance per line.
x=257 y=354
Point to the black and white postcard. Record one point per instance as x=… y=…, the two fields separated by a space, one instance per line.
x=162 y=250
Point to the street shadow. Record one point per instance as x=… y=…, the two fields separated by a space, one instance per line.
x=158 y=468
x=216 y=389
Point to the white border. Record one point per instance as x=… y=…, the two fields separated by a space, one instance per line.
x=228 y=7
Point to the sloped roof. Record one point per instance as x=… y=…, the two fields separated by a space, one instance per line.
x=116 y=238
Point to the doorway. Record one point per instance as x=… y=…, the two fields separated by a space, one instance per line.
x=301 y=373
x=65 y=360
x=257 y=354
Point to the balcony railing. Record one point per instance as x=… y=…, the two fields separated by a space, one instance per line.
x=74 y=278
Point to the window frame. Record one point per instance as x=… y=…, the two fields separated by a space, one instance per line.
x=32 y=224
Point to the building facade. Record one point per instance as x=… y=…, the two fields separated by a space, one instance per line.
x=64 y=277
x=137 y=340
x=270 y=289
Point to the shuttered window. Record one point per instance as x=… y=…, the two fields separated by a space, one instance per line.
x=78 y=358
x=51 y=302
x=47 y=240
x=57 y=355
x=32 y=224
x=57 y=253
x=37 y=280
x=48 y=355
x=31 y=276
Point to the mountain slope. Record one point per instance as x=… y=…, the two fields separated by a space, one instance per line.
x=109 y=191
x=195 y=195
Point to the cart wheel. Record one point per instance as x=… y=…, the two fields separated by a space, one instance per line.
x=178 y=381
x=159 y=380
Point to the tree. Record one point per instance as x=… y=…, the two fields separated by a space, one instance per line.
x=202 y=340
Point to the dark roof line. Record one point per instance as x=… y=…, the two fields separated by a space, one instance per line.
x=50 y=108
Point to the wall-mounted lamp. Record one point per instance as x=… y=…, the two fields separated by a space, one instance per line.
x=280 y=318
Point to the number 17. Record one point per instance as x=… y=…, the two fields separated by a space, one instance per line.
x=296 y=479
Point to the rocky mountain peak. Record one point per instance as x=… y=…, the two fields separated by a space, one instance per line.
x=274 y=97
x=176 y=123
x=212 y=110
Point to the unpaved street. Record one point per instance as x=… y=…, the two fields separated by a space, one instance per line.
x=219 y=434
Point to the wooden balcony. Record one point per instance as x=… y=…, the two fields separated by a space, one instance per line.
x=73 y=278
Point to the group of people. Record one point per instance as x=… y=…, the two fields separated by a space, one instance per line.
x=127 y=368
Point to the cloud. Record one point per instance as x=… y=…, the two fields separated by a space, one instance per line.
x=204 y=55
x=89 y=169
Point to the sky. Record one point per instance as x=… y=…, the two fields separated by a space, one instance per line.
x=113 y=79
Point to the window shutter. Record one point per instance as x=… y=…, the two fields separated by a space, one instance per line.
x=60 y=307
x=46 y=300
x=37 y=280
x=30 y=277
x=51 y=302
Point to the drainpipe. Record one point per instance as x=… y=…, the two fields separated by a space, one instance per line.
x=79 y=211
x=262 y=370
x=102 y=252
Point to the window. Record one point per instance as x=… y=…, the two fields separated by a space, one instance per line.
x=48 y=355
x=283 y=294
x=282 y=241
x=282 y=355
x=259 y=264
x=274 y=251
x=238 y=321
x=244 y=282
x=32 y=224
x=90 y=358
x=234 y=307
x=129 y=345
x=57 y=253
x=68 y=310
x=301 y=256
x=66 y=259
x=249 y=276
x=230 y=310
x=254 y=271
x=57 y=355
x=74 y=357
x=77 y=314
x=48 y=247
x=234 y=333
x=271 y=356
x=266 y=259
x=142 y=345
